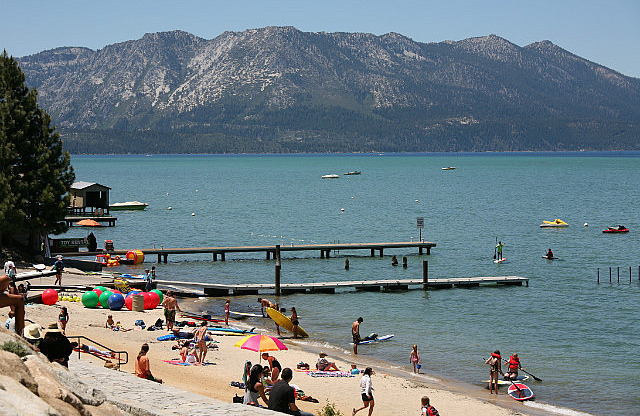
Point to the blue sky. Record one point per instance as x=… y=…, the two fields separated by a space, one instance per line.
x=606 y=32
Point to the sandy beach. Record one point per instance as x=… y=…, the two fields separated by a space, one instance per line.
x=395 y=393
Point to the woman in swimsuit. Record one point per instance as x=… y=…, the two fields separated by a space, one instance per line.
x=495 y=368
x=275 y=366
x=200 y=338
x=294 y=320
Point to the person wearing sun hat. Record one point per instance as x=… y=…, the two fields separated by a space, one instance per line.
x=33 y=334
x=55 y=345
x=324 y=365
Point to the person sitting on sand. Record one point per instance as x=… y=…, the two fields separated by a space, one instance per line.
x=283 y=398
x=15 y=301
x=109 y=324
x=324 y=365
x=266 y=377
x=142 y=368
x=427 y=409
x=254 y=388
x=274 y=366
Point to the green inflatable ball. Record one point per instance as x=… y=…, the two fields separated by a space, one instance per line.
x=104 y=299
x=90 y=299
x=101 y=288
x=159 y=294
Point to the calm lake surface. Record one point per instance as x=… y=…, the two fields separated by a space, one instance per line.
x=580 y=337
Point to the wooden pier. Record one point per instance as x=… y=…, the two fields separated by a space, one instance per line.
x=214 y=289
x=270 y=251
x=71 y=220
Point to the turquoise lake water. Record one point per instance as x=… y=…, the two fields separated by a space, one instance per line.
x=581 y=338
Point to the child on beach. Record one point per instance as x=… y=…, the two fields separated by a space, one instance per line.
x=427 y=409
x=109 y=324
x=58 y=266
x=227 y=311
x=414 y=358
x=63 y=318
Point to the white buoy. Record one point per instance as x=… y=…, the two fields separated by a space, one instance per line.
x=417 y=201
x=193 y=214
x=169 y=208
x=342 y=209
x=167 y=193
x=585 y=224
x=353 y=197
x=196 y=190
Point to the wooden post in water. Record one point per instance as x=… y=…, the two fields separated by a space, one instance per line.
x=618 y=274
x=629 y=274
x=277 y=256
x=404 y=262
x=598 y=275
x=346 y=265
x=609 y=274
x=425 y=274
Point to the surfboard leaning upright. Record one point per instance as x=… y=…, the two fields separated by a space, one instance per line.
x=285 y=322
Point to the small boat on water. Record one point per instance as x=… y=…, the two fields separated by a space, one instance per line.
x=557 y=223
x=618 y=229
x=449 y=168
x=354 y=172
x=129 y=205
x=333 y=176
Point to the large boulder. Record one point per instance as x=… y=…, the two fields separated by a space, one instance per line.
x=17 y=400
x=14 y=367
x=49 y=386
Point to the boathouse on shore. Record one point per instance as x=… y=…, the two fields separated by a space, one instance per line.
x=89 y=198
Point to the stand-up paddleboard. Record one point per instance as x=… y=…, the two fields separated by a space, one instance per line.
x=370 y=341
x=503 y=382
x=502 y=260
x=199 y=317
x=549 y=258
x=285 y=322
x=235 y=331
x=525 y=393
x=245 y=315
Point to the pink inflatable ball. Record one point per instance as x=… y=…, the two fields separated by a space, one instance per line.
x=148 y=300
x=97 y=292
x=116 y=300
x=90 y=299
x=128 y=302
x=155 y=300
x=104 y=299
x=49 y=297
x=116 y=291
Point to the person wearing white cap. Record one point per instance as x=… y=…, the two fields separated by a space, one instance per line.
x=324 y=365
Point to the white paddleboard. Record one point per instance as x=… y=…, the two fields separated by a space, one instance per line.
x=500 y=260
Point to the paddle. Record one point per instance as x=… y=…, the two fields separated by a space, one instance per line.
x=495 y=249
x=534 y=377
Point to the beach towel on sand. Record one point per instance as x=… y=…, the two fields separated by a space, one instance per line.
x=180 y=362
x=318 y=373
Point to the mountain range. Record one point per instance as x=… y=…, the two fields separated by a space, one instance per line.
x=281 y=90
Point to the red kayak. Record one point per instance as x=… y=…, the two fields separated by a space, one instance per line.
x=615 y=230
x=520 y=392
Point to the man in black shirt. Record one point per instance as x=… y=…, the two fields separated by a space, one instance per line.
x=282 y=397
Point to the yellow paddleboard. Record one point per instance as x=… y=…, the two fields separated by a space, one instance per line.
x=285 y=322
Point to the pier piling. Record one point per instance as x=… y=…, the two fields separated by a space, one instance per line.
x=346 y=264
x=425 y=274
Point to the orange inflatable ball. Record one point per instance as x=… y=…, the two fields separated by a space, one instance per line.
x=49 y=297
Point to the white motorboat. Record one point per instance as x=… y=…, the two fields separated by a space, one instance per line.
x=129 y=205
x=333 y=176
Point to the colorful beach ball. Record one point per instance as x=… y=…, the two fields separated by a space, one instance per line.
x=49 y=297
x=90 y=299
x=116 y=300
x=104 y=298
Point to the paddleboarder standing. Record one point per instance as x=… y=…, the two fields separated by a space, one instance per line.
x=499 y=250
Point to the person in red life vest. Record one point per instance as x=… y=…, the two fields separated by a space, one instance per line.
x=495 y=368
x=514 y=366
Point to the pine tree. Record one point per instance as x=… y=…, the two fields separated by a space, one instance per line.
x=36 y=172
